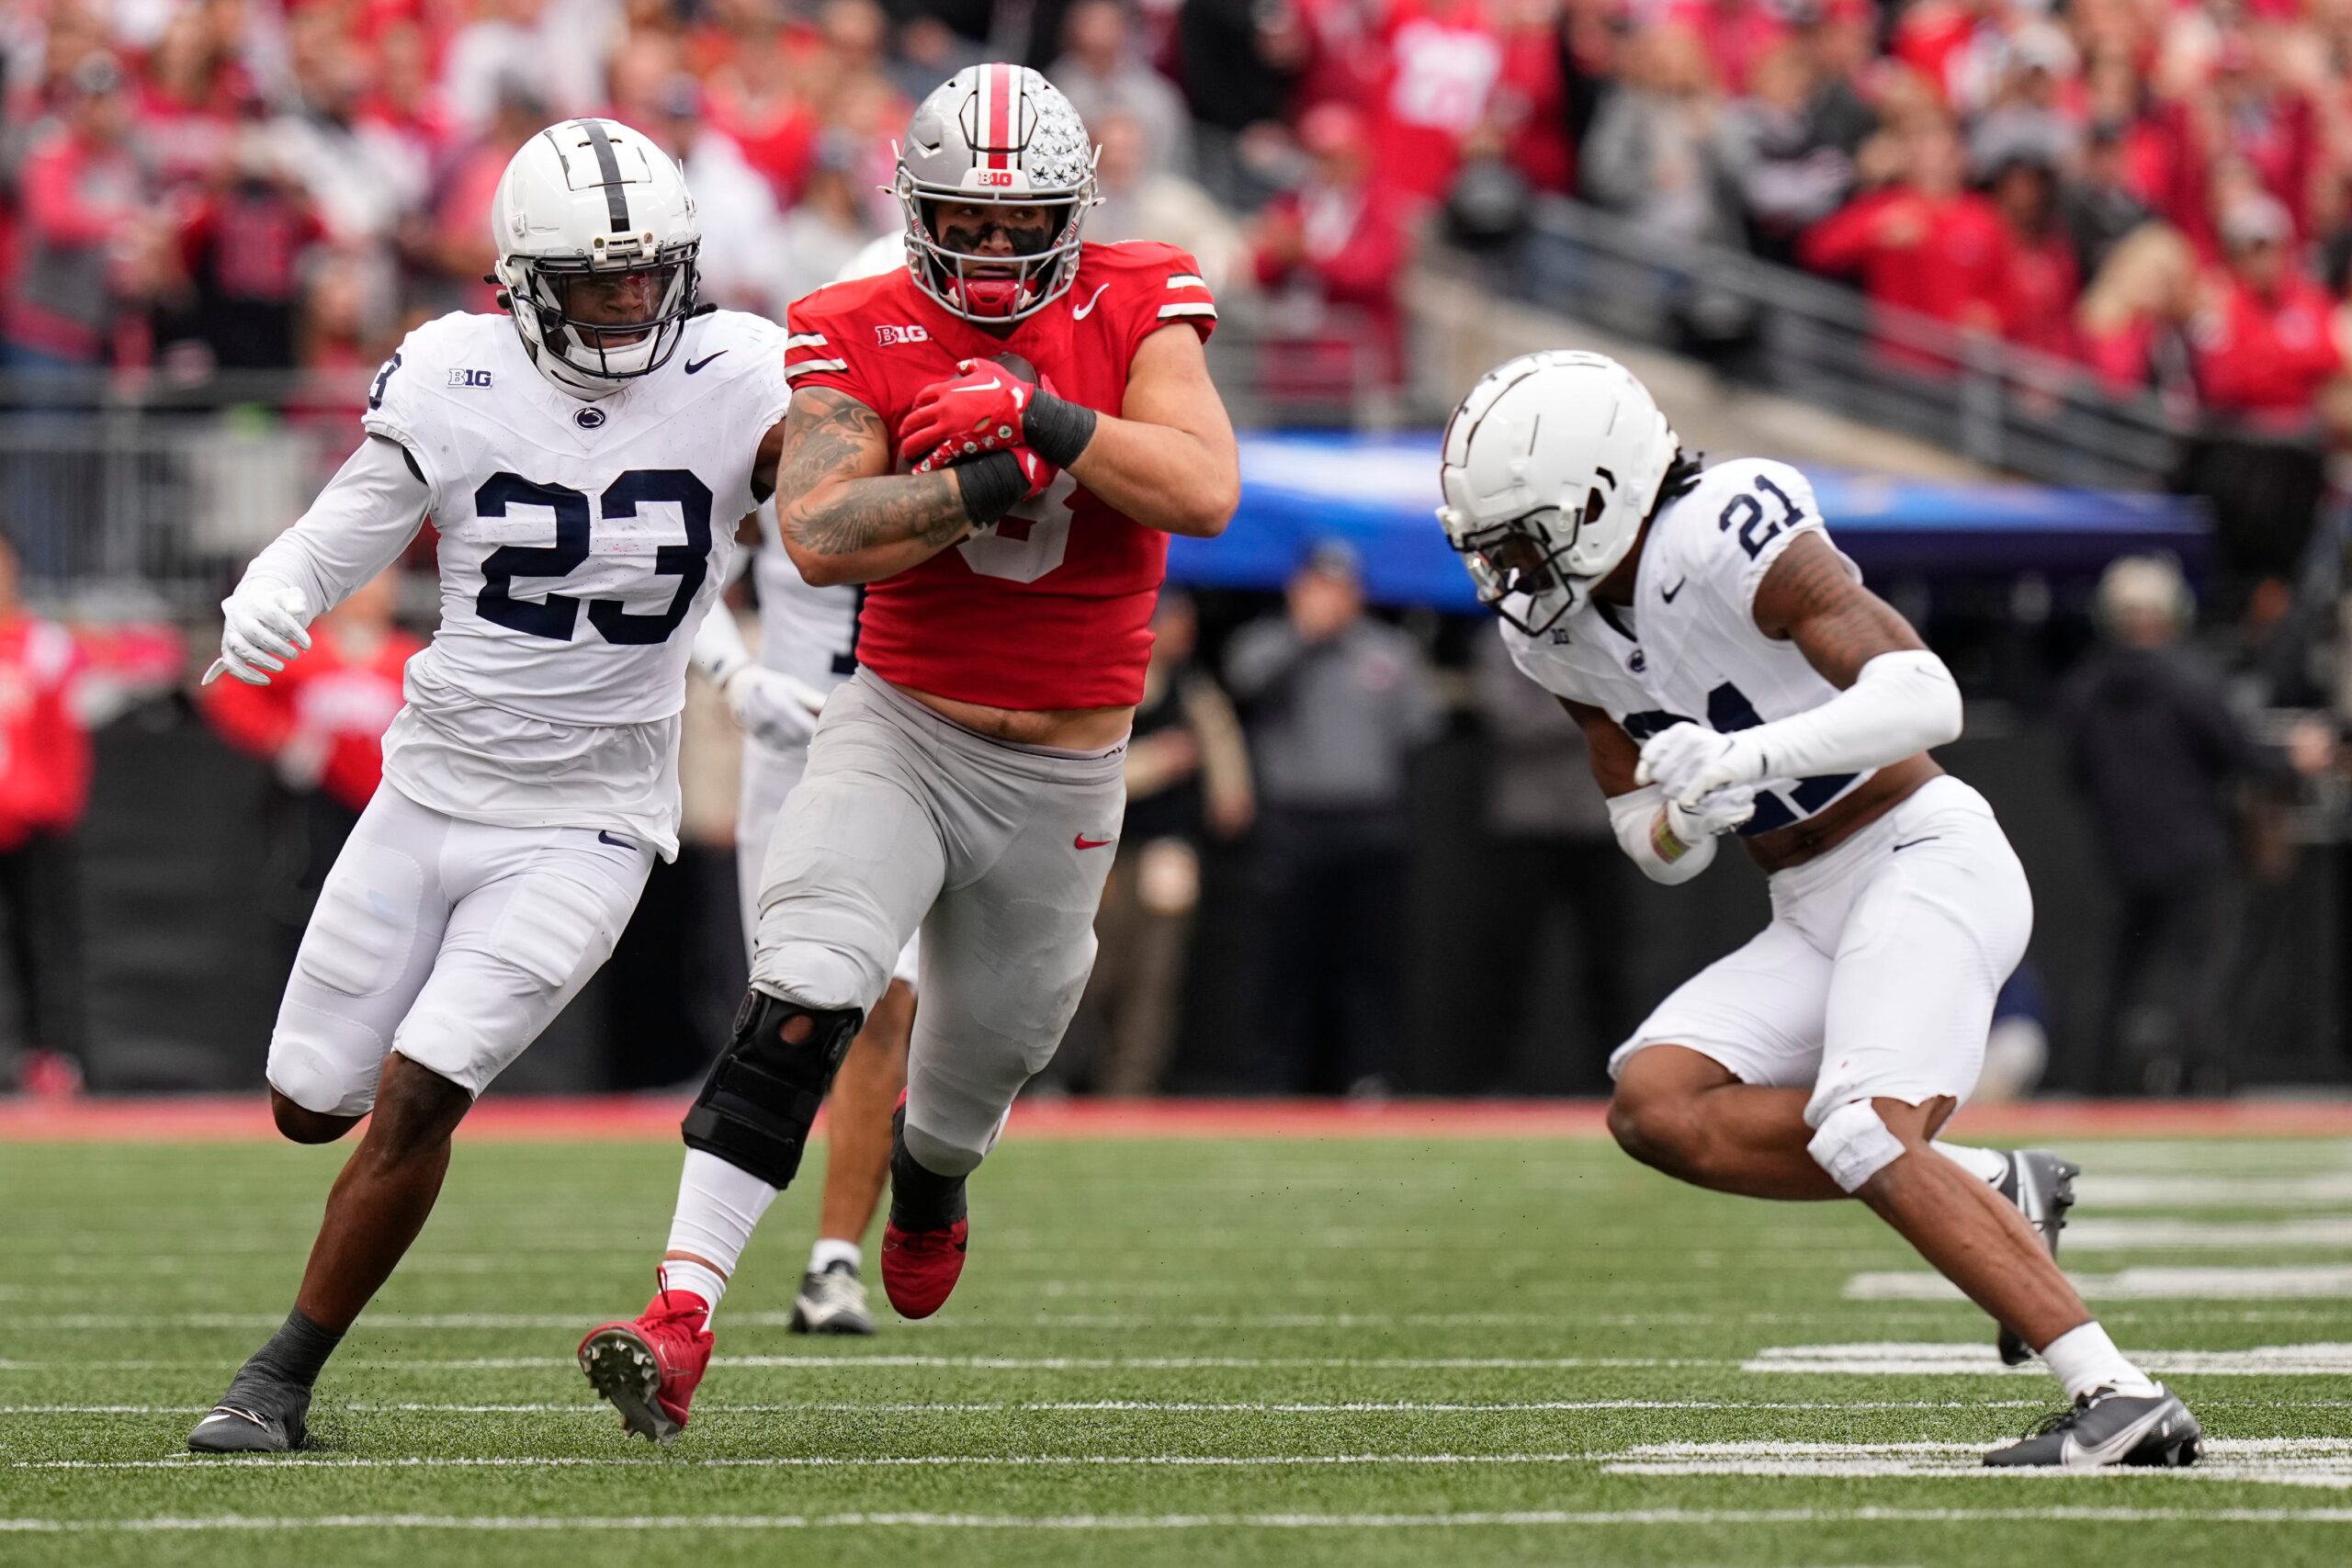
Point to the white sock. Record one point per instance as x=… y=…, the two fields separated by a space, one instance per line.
x=830 y=1250
x=1988 y=1165
x=2084 y=1358
x=719 y=1204
x=694 y=1279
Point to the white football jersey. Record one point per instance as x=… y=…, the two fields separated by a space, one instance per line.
x=1689 y=648
x=580 y=544
x=809 y=632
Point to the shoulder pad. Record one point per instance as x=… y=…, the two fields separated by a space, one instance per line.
x=729 y=331
x=1148 y=283
x=1729 y=531
x=846 y=301
x=459 y=343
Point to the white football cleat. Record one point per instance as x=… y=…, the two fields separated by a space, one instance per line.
x=832 y=1301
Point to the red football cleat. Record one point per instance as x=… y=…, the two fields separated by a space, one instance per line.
x=649 y=1368
x=919 y=1267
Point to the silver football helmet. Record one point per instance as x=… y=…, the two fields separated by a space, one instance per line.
x=995 y=135
x=597 y=241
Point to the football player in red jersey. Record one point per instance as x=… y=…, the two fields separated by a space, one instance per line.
x=998 y=438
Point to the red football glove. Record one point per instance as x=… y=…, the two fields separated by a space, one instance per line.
x=977 y=410
x=1040 y=474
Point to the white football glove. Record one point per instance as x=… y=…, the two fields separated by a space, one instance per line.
x=773 y=706
x=263 y=625
x=1721 y=811
x=1689 y=761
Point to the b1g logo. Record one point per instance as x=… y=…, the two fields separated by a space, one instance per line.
x=995 y=176
x=886 y=336
x=470 y=378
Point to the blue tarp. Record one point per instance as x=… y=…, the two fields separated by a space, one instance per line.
x=1378 y=492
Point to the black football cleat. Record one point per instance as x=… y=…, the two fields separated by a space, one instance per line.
x=2041 y=1185
x=2105 y=1428
x=257 y=1415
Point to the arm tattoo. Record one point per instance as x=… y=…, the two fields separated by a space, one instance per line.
x=1809 y=598
x=835 y=495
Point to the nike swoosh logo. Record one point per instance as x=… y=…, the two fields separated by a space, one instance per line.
x=989 y=385
x=695 y=365
x=1914 y=843
x=1081 y=313
x=1667 y=593
x=604 y=838
x=1083 y=843
x=230 y=1413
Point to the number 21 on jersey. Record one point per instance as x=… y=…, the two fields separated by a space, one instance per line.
x=557 y=616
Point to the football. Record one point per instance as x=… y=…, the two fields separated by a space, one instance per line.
x=1020 y=366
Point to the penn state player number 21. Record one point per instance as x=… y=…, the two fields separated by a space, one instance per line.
x=558 y=615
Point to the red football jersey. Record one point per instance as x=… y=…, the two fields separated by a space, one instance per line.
x=1052 y=608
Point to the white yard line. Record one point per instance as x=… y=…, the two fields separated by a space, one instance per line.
x=2172 y=1157
x=1525 y=1519
x=2280 y=1282
x=2100 y=1189
x=499 y=1321
x=2100 y=1235
x=1172 y=1406
x=1905 y=1359
x=2333 y=1359
x=2322 y=1462
x=812 y=1461
x=967 y=1363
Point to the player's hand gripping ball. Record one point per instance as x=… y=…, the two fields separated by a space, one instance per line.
x=1037 y=473
x=972 y=413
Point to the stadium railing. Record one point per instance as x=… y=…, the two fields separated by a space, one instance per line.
x=1775 y=328
x=140 y=496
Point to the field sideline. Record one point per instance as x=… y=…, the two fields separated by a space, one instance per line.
x=1240 y=1335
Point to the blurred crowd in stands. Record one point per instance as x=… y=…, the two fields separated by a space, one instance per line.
x=2160 y=191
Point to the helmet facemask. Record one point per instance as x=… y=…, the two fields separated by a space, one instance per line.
x=988 y=289
x=605 y=320
x=1525 y=558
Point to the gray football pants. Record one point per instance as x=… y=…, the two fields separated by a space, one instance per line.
x=997 y=852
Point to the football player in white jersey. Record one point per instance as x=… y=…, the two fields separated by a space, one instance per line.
x=809 y=647
x=1732 y=675
x=586 y=460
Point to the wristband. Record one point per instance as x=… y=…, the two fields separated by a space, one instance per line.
x=1668 y=845
x=1057 y=429
x=992 y=486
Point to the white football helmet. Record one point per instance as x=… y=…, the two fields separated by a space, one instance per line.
x=1551 y=464
x=597 y=241
x=998 y=135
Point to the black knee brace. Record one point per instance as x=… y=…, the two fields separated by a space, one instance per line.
x=755 y=1109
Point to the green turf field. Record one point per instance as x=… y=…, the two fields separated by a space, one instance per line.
x=1175 y=1353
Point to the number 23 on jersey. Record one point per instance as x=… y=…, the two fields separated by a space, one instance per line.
x=557 y=616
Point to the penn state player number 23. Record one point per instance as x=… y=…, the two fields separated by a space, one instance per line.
x=558 y=615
